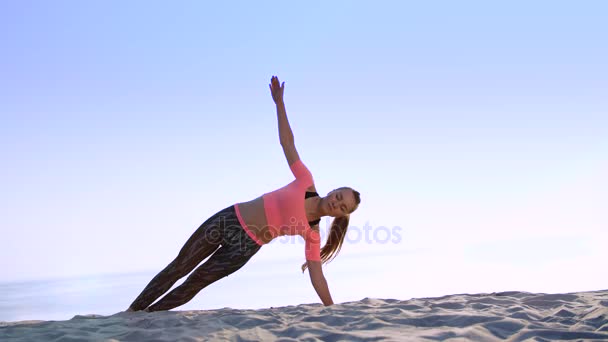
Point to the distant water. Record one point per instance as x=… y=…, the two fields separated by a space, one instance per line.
x=62 y=299
x=261 y=283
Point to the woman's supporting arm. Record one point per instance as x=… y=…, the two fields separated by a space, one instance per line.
x=318 y=282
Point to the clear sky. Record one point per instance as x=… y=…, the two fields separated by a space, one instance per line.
x=475 y=131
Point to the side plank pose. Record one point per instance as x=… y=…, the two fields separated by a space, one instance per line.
x=234 y=234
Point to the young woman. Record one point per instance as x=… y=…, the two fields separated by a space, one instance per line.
x=233 y=235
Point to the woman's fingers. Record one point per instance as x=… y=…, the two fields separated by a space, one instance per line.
x=275 y=84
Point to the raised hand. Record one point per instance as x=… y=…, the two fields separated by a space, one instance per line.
x=276 y=89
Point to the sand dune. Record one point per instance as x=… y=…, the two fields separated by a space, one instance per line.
x=512 y=316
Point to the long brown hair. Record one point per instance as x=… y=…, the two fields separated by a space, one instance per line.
x=336 y=234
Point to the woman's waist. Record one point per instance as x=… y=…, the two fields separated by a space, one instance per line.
x=265 y=217
x=253 y=214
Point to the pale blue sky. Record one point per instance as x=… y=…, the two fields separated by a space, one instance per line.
x=479 y=129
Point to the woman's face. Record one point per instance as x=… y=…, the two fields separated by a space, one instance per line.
x=339 y=202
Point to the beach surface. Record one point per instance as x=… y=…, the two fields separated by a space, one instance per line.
x=511 y=316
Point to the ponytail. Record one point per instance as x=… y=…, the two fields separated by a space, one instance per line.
x=334 y=240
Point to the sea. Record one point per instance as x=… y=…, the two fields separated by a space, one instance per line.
x=257 y=287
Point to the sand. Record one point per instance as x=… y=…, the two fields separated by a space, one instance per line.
x=512 y=316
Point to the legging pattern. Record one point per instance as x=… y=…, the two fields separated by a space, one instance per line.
x=220 y=236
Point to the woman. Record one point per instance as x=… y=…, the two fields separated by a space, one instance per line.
x=233 y=235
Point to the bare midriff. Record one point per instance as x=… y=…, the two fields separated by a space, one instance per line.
x=253 y=215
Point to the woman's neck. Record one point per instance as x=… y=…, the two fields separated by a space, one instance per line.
x=314 y=208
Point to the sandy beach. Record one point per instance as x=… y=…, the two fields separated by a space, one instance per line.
x=511 y=316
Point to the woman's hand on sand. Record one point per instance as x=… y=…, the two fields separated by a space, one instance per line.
x=276 y=89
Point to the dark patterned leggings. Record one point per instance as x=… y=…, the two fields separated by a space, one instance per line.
x=221 y=230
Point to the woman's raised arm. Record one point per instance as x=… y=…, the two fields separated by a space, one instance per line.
x=285 y=133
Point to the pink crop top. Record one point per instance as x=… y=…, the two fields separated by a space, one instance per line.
x=286 y=214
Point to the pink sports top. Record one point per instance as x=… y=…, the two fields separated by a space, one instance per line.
x=286 y=213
